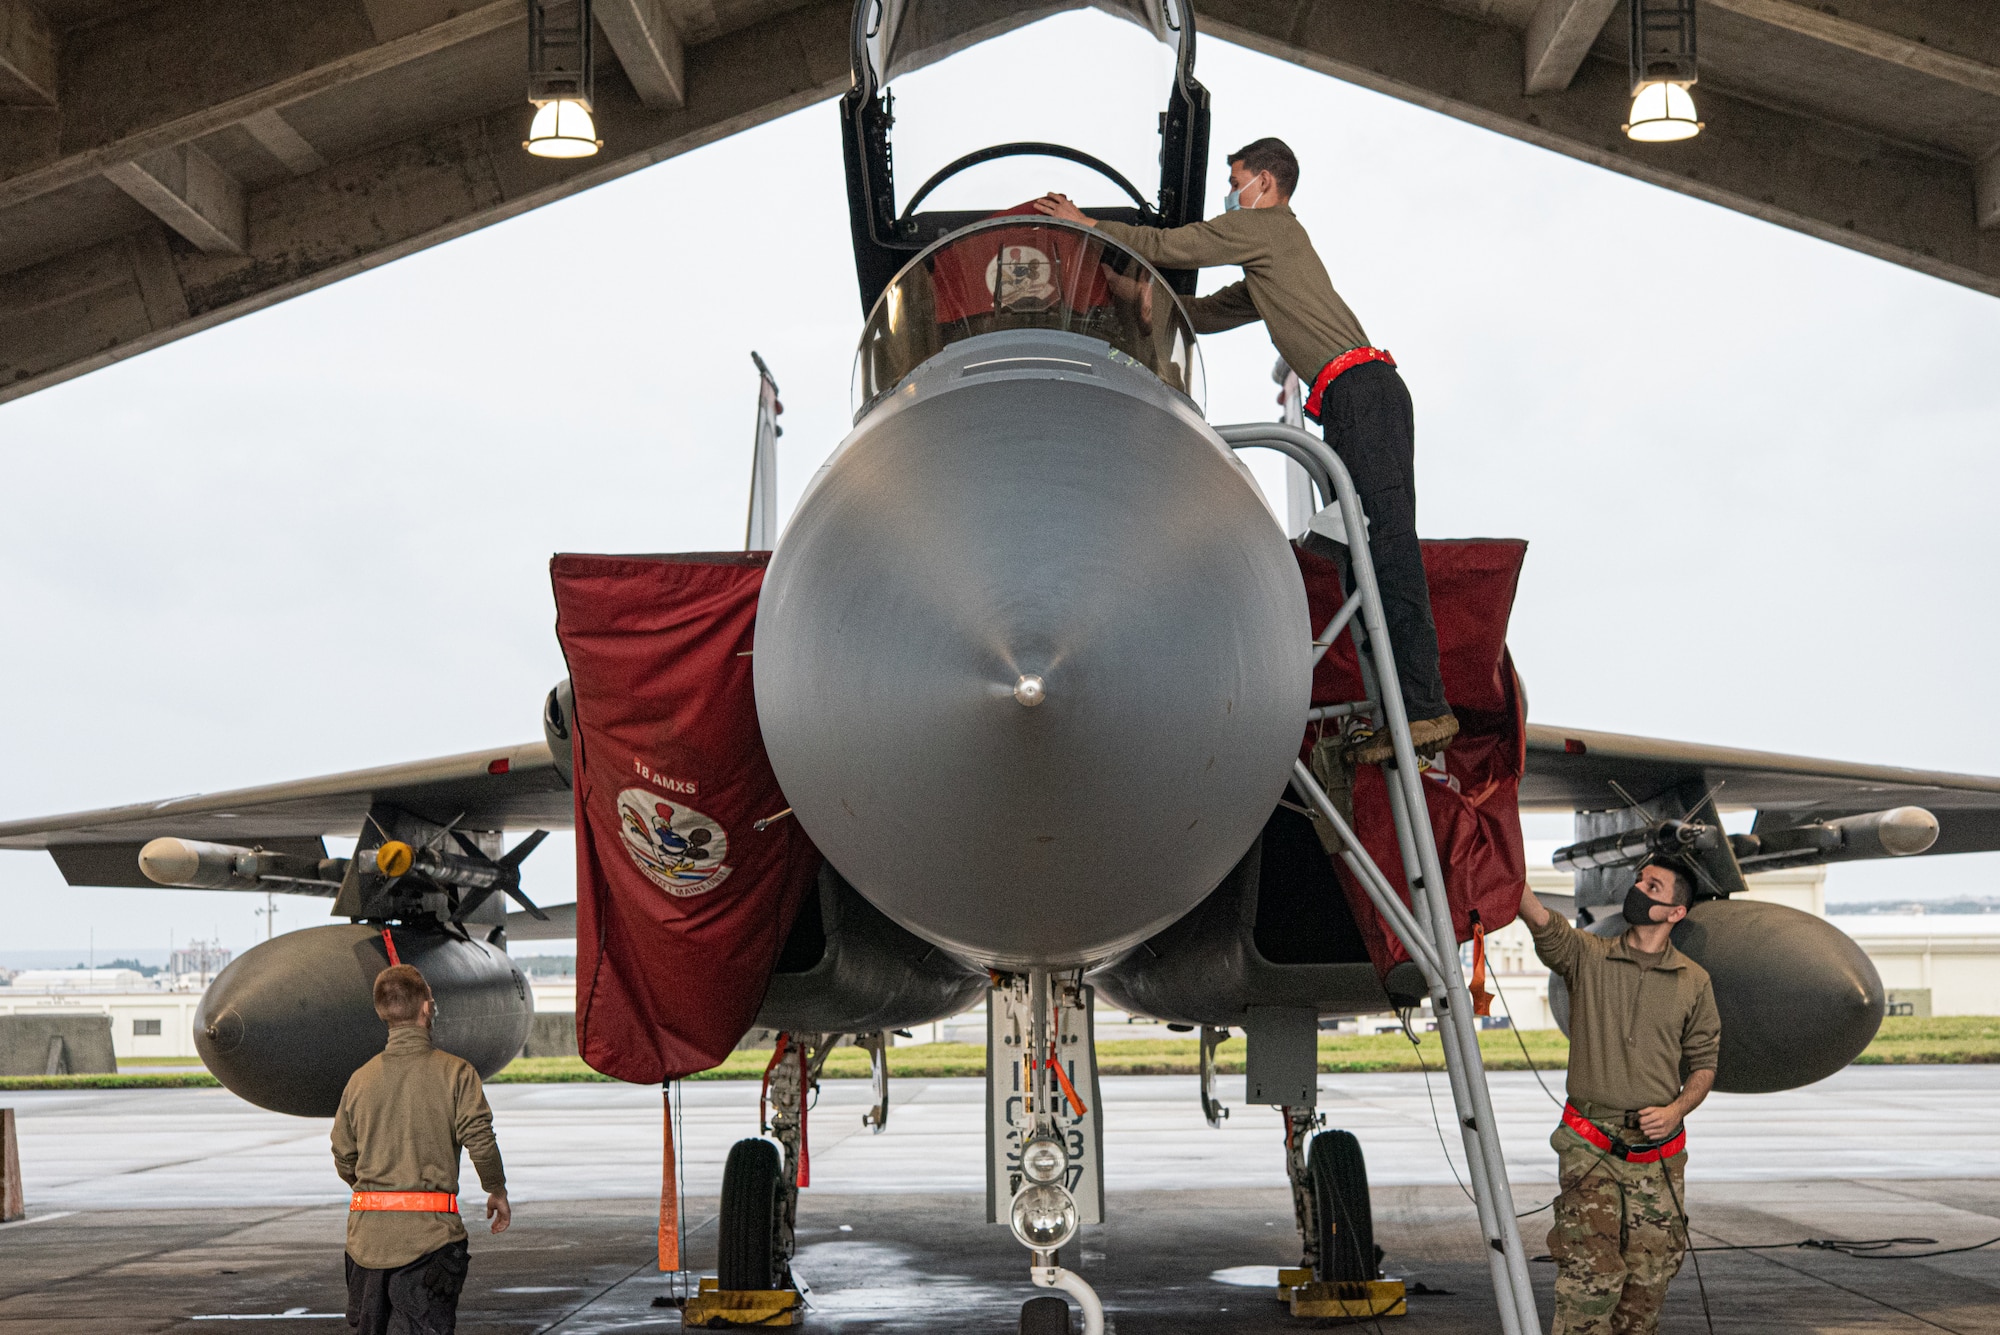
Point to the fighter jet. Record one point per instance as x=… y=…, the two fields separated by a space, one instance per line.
x=1030 y=702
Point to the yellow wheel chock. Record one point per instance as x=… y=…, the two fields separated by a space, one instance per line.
x=714 y=1309
x=1357 y=1300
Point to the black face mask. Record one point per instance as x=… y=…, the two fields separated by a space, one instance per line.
x=1639 y=907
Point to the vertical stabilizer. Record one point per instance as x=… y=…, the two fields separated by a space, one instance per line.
x=761 y=535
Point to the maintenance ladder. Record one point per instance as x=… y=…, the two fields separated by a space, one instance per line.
x=1423 y=925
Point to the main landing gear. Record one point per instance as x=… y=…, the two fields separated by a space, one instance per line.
x=757 y=1229
x=1340 y=1272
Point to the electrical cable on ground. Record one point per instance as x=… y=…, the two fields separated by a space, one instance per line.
x=1416 y=1046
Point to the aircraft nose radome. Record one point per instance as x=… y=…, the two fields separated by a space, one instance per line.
x=1032 y=666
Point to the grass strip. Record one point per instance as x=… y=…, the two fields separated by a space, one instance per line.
x=1903 y=1041
x=123 y=1080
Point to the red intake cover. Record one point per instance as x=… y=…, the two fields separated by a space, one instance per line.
x=681 y=906
x=1476 y=816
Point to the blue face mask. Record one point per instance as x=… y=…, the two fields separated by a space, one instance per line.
x=1232 y=201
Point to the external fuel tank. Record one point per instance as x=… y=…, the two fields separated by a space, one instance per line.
x=287 y=1022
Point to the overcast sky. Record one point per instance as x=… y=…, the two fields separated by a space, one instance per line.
x=1756 y=470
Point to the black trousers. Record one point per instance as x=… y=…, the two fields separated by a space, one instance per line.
x=1368 y=421
x=420 y=1298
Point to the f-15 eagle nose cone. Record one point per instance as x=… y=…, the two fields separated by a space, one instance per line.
x=1088 y=552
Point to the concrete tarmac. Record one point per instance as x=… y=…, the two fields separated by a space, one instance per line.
x=172 y=1210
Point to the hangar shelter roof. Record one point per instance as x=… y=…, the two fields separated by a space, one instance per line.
x=169 y=164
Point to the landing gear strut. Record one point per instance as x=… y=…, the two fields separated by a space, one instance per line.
x=1300 y=1123
x=1044 y=1151
x=760 y=1189
x=1340 y=1273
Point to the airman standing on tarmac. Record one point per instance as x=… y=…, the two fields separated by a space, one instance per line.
x=1644 y=1036
x=404 y=1119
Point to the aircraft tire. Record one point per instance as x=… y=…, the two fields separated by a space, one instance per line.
x=1346 y=1223
x=1045 y=1316
x=745 y=1254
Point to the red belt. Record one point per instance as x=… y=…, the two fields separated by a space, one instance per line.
x=1334 y=369
x=1610 y=1144
x=420 y=1202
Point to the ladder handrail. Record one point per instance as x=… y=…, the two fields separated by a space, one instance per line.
x=1493 y=1197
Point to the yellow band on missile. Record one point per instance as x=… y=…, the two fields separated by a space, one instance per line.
x=393 y=858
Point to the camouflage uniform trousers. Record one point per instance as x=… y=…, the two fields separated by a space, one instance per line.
x=1618 y=1238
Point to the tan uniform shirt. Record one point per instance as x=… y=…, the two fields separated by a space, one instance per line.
x=403 y=1119
x=1634 y=1032
x=1284 y=284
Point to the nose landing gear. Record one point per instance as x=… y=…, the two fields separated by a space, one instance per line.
x=1045 y=1148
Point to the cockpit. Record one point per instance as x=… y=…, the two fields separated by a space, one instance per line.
x=1025 y=272
x=931 y=279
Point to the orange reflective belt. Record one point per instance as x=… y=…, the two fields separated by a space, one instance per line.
x=420 y=1202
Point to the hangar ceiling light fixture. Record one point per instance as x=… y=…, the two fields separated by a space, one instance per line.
x=1663 y=69
x=560 y=79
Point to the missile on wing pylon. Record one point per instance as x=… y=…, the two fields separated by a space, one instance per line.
x=1899 y=832
x=287 y=1022
x=1667 y=838
x=196 y=865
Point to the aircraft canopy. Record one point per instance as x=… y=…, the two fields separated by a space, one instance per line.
x=905 y=34
x=1025 y=272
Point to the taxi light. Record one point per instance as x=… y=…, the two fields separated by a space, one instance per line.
x=562 y=129
x=1662 y=113
x=1044 y=1161
x=1043 y=1217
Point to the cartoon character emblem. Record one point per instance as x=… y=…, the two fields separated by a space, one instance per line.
x=676 y=847
x=1021 y=278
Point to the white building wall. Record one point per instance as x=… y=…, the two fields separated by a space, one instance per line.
x=172 y=1011
x=1956 y=956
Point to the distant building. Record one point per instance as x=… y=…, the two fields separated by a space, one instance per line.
x=193 y=966
x=153 y=1023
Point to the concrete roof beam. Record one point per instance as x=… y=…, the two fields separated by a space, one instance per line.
x=275 y=135
x=27 y=56
x=109 y=117
x=648 y=46
x=185 y=189
x=1908 y=52
x=375 y=206
x=1843 y=184
x=1560 y=35
x=1986 y=191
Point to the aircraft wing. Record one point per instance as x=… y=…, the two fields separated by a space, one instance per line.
x=504 y=788
x=1570 y=769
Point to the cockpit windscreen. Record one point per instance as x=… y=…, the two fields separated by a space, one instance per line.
x=1025 y=272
